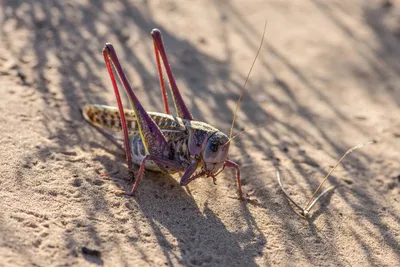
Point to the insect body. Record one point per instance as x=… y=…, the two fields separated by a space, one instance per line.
x=176 y=131
x=160 y=141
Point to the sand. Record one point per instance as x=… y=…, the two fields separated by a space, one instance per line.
x=327 y=78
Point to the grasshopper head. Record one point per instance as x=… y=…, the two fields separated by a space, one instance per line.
x=215 y=153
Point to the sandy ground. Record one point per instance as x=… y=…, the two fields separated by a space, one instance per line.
x=326 y=79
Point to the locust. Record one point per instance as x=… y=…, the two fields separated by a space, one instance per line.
x=160 y=141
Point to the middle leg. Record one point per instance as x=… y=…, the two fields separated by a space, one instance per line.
x=158 y=160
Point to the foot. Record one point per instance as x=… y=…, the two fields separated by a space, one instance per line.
x=247 y=199
x=132 y=193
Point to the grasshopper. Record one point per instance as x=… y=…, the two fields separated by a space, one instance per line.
x=160 y=141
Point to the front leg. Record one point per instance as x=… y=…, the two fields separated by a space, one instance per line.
x=235 y=166
x=188 y=175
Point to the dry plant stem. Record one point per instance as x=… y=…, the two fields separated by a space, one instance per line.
x=313 y=200
x=307 y=207
x=306 y=211
x=286 y=194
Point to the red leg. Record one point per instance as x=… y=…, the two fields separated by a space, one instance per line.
x=161 y=78
x=127 y=146
x=180 y=105
x=152 y=137
x=232 y=164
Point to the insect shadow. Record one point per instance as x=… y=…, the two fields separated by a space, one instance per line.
x=199 y=236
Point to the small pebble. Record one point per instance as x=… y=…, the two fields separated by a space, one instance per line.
x=89 y=251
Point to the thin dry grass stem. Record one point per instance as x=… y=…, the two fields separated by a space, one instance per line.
x=313 y=200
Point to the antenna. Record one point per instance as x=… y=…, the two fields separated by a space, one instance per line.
x=242 y=132
x=244 y=85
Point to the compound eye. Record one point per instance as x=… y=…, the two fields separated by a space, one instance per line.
x=214 y=147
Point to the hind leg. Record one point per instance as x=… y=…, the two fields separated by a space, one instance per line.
x=159 y=50
x=156 y=146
